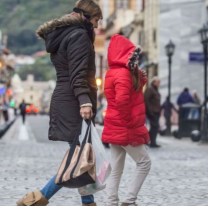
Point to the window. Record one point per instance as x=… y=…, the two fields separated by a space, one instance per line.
x=143 y=5
x=207 y=13
x=31 y=97
x=155 y=70
x=124 y=4
x=141 y=38
x=154 y=36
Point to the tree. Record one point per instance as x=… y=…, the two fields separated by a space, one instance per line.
x=42 y=70
x=21 y=18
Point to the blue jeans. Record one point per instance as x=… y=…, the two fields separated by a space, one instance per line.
x=51 y=189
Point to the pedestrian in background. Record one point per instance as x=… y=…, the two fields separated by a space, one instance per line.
x=5 y=109
x=152 y=102
x=184 y=98
x=100 y=107
x=22 y=108
x=124 y=122
x=196 y=98
x=165 y=109
x=195 y=112
x=69 y=40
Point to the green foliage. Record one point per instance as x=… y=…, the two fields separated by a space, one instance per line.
x=19 y=19
x=42 y=70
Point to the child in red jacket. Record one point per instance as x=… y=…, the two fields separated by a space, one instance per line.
x=125 y=118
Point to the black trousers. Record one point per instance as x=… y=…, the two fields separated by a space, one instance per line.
x=23 y=118
x=6 y=116
x=154 y=127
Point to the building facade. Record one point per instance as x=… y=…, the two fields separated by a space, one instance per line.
x=151 y=10
x=180 y=21
x=116 y=14
x=119 y=14
x=138 y=20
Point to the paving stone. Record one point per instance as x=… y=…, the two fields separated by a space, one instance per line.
x=178 y=177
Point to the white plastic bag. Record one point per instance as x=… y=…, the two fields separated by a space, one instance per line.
x=103 y=167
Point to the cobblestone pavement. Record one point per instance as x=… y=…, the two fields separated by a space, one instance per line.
x=179 y=174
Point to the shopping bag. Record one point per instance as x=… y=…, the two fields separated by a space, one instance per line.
x=103 y=167
x=78 y=166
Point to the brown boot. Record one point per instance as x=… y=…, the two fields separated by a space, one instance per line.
x=33 y=199
x=127 y=204
x=92 y=204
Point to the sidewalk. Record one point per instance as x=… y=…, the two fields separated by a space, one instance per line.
x=4 y=126
x=11 y=116
x=179 y=174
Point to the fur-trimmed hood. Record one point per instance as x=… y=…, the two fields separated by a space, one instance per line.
x=54 y=31
x=67 y=20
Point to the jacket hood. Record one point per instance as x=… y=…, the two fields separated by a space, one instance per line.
x=54 y=38
x=122 y=53
x=55 y=30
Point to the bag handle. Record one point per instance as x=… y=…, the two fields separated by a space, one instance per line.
x=88 y=135
x=82 y=147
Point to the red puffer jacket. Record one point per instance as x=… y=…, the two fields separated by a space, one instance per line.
x=125 y=117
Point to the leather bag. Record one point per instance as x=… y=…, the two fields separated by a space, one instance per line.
x=78 y=166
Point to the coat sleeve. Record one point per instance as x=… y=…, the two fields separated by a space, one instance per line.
x=78 y=52
x=123 y=86
x=179 y=100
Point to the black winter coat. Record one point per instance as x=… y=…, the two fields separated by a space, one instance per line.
x=72 y=54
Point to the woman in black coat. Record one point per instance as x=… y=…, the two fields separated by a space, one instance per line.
x=69 y=40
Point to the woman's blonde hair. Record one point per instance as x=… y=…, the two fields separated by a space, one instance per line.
x=91 y=7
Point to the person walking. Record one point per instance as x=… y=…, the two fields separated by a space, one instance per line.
x=124 y=122
x=5 y=110
x=152 y=102
x=196 y=98
x=184 y=98
x=69 y=40
x=197 y=101
x=165 y=109
x=22 y=108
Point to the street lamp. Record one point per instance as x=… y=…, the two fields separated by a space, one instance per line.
x=99 y=82
x=204 y=40
x=169 y=48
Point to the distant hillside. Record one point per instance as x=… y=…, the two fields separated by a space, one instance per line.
x=19 y=19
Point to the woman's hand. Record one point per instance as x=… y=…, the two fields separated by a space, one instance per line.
x=86 y=112
x=144 y=74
